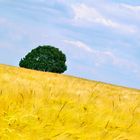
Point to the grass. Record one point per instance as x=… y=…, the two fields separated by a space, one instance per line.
x=46 y=106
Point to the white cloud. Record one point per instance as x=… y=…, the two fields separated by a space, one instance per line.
x=84 y=13
x=130 y=7
x=100 y=58
x=79 y=44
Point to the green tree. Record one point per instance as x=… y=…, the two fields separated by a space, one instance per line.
x=45 y=58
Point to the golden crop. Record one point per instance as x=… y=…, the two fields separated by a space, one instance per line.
x=46 y=106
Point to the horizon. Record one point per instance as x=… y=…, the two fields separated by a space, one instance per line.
x=100 y=38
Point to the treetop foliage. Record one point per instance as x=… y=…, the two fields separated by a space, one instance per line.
x=45 y=58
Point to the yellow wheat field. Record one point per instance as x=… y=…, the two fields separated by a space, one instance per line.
x=45 y=106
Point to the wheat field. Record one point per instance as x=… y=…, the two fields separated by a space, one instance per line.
x=46 y=106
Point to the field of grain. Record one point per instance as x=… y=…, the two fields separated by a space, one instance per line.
x=46 y=106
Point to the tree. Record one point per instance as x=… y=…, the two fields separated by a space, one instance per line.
x=45 y=58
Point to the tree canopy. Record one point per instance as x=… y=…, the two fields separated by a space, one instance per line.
x=45 y=58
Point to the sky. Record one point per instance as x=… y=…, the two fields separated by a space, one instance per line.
x=101 y=38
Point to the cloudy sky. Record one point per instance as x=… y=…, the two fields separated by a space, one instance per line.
x=101 y=38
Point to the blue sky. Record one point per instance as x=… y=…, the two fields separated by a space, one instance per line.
x=101 y=38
